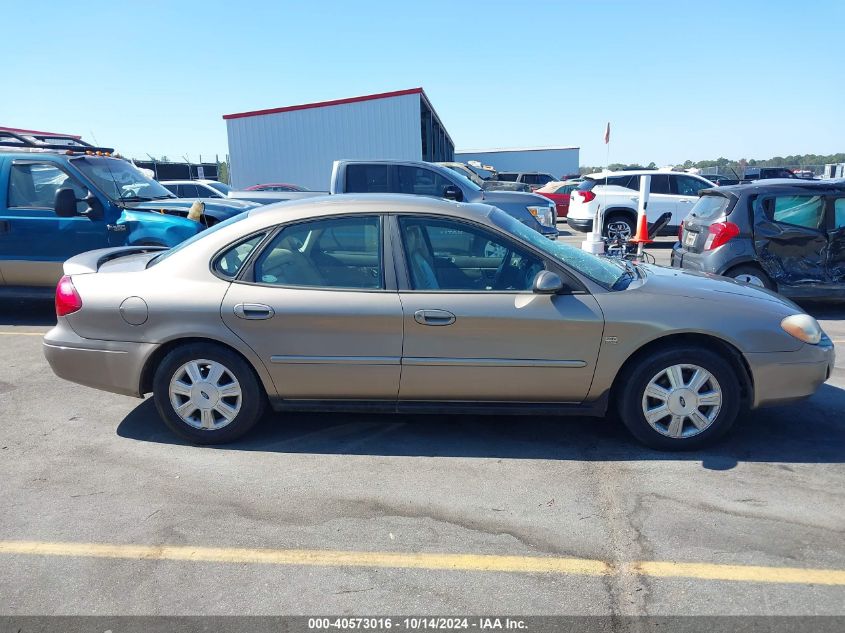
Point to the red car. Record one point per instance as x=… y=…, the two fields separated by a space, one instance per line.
x=559 y=191
x=275 y=186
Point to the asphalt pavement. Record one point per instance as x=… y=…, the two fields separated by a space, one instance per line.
x=104 y=511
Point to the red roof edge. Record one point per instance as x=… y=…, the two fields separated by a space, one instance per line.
x=16 y=130
x=322 y=104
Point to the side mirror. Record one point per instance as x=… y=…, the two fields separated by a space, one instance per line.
x=547 y=283
x=453 y=192
x=65 y=203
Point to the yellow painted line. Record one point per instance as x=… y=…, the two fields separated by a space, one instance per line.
x=741 y=573
x=326 y=558
x=22 y=333
x=451 y=562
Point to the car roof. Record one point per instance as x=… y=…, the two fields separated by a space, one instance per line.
x=340 y=204
x=638 y=172
x=780 y=184
x=202 y=181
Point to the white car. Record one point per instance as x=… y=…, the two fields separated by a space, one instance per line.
x=197 y=188
x=618 y=194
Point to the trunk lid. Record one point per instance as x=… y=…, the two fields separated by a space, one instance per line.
x=120 y=259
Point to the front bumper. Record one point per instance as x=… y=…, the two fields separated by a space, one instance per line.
x=784 y=377
x=114 y=366
x=585 y=226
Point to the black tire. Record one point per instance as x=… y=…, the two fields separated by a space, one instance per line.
x=252 y=400
x=637 y=378
x=752 y=271
x=619 y=217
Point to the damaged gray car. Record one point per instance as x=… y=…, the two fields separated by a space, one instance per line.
x=783 y=235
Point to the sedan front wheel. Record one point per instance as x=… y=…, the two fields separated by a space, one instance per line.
x=680 y=399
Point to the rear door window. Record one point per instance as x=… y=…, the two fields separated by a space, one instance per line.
x=330 y=253
x=804 y=211
x=367 y=179
x=660 y=184
x=688 y=186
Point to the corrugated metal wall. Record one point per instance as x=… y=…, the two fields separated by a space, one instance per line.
x=299 y=146
x=556 y=162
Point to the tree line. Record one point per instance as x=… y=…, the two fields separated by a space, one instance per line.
x=727 y=165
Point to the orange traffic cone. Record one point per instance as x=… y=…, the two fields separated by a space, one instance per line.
x=642 y=231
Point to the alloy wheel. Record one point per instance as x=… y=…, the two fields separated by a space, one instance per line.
x=682 y=401
x=618 y=230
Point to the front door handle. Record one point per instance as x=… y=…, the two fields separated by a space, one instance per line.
x=4 y=226
x=434 y=317
x=253 y=311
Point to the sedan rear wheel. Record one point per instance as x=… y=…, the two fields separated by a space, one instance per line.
x=680 y=399
x=207 y=394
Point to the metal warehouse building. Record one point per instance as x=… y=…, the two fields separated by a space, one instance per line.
x=297 y=144
x=557 y=161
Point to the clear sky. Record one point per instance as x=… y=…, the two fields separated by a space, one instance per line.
x=677 y=79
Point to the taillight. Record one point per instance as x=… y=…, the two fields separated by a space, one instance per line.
x=720 y=234
x=587 y=196
x=681 y=231
x=67 y=299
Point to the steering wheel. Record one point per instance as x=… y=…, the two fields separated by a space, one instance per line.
x=500 y=271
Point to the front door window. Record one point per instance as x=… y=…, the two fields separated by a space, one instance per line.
x=448 y=255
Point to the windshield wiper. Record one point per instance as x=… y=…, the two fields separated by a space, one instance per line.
x=168 y=196
x=135 y=198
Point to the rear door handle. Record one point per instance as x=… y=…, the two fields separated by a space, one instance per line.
x=254 y=311
x=4 y=226
x=434 y=317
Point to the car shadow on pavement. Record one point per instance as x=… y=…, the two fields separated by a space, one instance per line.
x=808 y=432
x=27 y=312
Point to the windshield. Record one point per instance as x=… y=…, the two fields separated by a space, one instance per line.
x=165 y=254
x=466 y=173
x=120 y=180
x=603 y=270
x=463 y=181
x=221 y=187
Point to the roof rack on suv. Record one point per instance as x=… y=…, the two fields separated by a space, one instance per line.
x=48 y=142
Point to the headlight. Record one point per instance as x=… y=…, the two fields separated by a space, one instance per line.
x=543 y=214
x=803 y=327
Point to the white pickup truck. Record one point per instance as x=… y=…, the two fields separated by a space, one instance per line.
x=618 y=194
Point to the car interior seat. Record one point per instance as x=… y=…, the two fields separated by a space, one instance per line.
x=420 y=259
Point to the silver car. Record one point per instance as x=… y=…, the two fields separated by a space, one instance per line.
x=407 y=304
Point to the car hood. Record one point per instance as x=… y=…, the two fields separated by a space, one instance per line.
x=695 y=285
x=217 y=208
x=513 y=197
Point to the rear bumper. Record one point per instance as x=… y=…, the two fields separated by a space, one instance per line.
x=784 y=377
x=579 y=224
x=114 y=366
